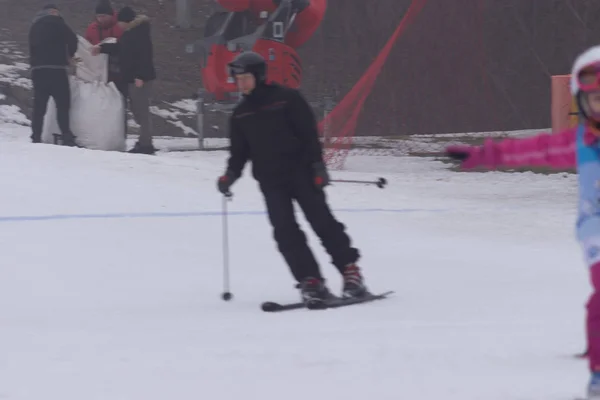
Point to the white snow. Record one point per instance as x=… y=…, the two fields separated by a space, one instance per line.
x=12 y=114
x=186 y=129
x=12 y=74
x=187 y=105
x=174 y=115
x=110 y=282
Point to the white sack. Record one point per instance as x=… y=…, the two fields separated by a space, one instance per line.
x=90 y=68
x=97 y=116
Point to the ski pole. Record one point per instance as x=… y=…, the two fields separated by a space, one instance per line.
x=226 y=293
x=380 y=183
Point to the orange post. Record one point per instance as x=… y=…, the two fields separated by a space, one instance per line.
x=564 y=107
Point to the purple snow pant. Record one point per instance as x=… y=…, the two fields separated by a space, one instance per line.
x=593 y=319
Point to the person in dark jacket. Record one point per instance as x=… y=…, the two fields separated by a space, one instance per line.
x=136 y=64
x=52 y=46
x=275 y=128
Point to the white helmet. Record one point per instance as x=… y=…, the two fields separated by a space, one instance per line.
x=586 y=59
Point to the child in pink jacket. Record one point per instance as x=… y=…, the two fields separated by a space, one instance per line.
x=579 y=148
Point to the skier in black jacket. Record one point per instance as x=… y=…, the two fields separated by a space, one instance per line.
x=52 y=46
x=275 y=129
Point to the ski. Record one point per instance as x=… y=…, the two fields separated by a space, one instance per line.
x=336 y=302
x=582 y=355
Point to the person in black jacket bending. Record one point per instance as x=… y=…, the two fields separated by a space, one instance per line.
x=136 y=63
x=52 y=46
x=275 y=128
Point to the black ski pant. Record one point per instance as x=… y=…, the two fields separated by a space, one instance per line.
x=51 y=82
x=291 y=240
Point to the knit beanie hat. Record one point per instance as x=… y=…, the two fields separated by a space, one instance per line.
x=104 y=8
x=126 y=14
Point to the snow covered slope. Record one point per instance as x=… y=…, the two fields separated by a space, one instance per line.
x=110 y=276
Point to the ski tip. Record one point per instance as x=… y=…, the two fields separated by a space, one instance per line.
x=270 y=306
x=382 y=295
x=583 y=354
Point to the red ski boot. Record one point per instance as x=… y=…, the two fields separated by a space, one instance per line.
x=354 y=285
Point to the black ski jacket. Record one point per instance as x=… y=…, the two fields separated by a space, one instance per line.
x=274 y=128
x=135 y=51
x=52 y=43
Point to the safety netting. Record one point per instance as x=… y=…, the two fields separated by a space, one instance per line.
x=393 y=68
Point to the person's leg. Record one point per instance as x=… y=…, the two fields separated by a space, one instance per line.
x=290 y=239
x=139 y=98
x=61 y=93
x=332 y=233
x=593 y=319
x=590 y=241
x=122 y=88
x=41 y=95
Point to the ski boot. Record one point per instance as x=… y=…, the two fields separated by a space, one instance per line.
x=354 y=286
x=593 y=391
x=314 y=293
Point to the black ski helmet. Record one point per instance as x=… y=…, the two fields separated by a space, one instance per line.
x=249 y=62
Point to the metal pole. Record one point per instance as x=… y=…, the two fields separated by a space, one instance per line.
x=226 y=285
x=200 y=118
x=328 y=107
x=183 y=14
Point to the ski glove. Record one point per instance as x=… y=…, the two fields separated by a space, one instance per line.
x=321 y=177
x=225 y=182
x=486 y=156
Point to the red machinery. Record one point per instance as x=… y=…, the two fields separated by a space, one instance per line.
x=272 y=28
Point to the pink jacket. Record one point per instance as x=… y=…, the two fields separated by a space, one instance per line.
x=543 y=150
